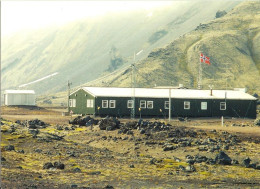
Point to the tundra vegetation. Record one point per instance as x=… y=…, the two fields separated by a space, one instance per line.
x=42 y=149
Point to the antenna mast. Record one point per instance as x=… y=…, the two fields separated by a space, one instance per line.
x=69 y=84
x=133 y=89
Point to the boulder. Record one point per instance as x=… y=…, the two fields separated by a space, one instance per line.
x=59 y=165
x=257 y=122
x=246 y=162
x=9 y=148
x=223 y=159
x=190 y=168
x=47 y=165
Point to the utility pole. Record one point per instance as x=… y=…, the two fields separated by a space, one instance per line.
x=69 y=84
x=133 y=85
x=170 y=109
x=133 y=89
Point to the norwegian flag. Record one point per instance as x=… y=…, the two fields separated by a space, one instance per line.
x=204 y=59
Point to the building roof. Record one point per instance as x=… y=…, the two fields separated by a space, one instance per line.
x=164 y=93
x=19 y=92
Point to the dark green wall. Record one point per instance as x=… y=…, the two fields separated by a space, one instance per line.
x=234 y=108
x=81 y=97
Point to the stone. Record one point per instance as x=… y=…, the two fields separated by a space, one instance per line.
x=48 y=165
x=190 y=168
x=246 y=162
x=108 y=187
x=34 y=132
x=38 y=150
x=3 y=159
x=74 y=186
x=169 y=148
x=77 y=170
x=223 y=159
x=21 y=151
x=59 y=165
x=94 y=173
x=9 y=148
x=131 y=166
x=234 y=162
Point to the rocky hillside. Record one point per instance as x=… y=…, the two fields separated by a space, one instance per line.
x=85 y=50
x=232 y=42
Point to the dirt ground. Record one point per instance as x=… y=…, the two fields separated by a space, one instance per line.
x=95 y=158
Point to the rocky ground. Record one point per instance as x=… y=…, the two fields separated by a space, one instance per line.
x=111 y=153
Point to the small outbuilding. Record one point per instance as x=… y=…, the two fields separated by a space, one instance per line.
x=19 y=97
x=155 y=102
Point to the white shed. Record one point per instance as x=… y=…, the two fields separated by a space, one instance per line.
x=19 y=97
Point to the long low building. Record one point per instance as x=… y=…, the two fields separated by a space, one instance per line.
x=19 y=97
x=155 y=102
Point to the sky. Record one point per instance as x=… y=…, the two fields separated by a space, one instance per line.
x=29 y=15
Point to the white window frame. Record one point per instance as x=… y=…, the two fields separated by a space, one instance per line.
x=130 y=104
x=103 y=103
x=90 y=103
x=112 y=103
x=150 y=104
x=166 y=105
x=221 y=104
x=186 y=103
x=204 y=105
x=142 y=104
x=72 y=103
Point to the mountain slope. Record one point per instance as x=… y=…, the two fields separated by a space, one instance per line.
x=231 y=42
x=82 y=51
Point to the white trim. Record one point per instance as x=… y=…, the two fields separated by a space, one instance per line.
x=186 y=103
x=150 y=103
x=72 y=103
x=204 y=105
x=224 y=104
x=104 y=102
x=166 y=103
x=112 y=102
x=90 y=103
x=142 y=104
x=130 y=102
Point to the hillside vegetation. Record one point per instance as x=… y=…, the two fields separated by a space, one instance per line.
x=232 y=42
x=87 y=49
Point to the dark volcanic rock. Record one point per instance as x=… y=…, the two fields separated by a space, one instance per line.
x=109 y=124
x=47 y=165
x=94 y=173
x=77 y=170
x=246 y=162
x=223 y=159
x=169 y=148
x=190 y=168
x=59 y=165
x=9 y=148
x=108 y=187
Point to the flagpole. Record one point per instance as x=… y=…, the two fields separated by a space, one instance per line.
x=200 y=74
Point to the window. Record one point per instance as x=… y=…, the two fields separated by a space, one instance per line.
x=150 y=104
x=222 y=105
x=204 y=106
x=142 y=104
x=112 y=103
x=130 y=104
x=72 y=103
x=186 y=105
x=166 y=104
x=90 y=103
x=104 y=103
